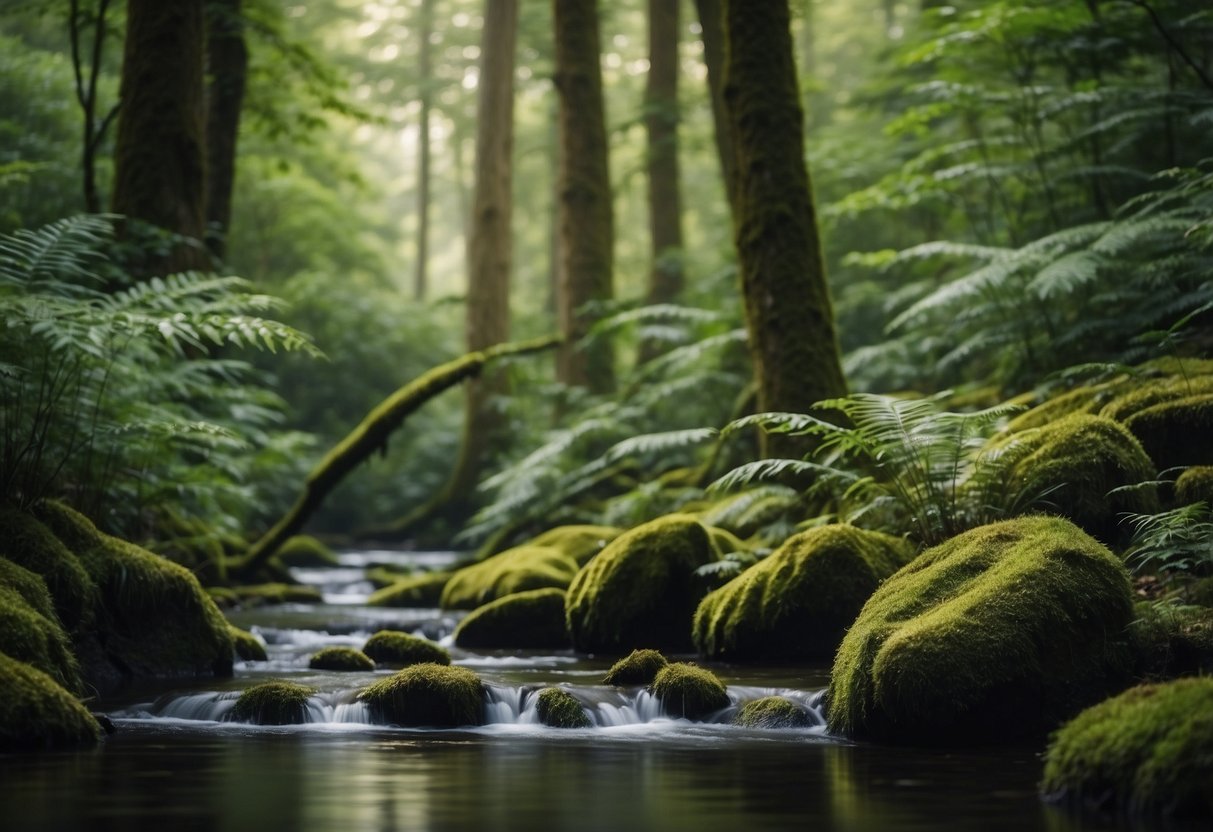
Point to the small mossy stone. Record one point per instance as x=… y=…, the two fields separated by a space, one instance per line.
x=273 y=703
x=1195 y=485
x=392 y=648
x=415 y=591
x=1146 y=752
x=772 y=712
x=640 y=667
x=1177 y=432
x=427 y=696
x=36 y=713
x=247 y=646
x=345 y=659
x=557 y=708
x=514 y=570
x=999 y=633
x=27 y=542
x=30 y=637
x=640 y=590
x=687 y=691
x=798 y=602
x=581 y=543
x=305 y=550
x=533 y=619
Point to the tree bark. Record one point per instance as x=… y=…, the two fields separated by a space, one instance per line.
x=425 y=74
x=711 y=22
x=86 y=94
x=228 y=59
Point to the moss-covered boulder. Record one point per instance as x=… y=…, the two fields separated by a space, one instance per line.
x=1086 y=399
x=1002 y=632
x=1176 y=432
x=557 y=708
x=392 y=648
x=577 y=542
x=640 y=590
x=772 y=712
x=256 y=595
x=427 y=695
x=273 y=703
x=640 y=667
x=30 y=544
x=343 y=659
x=36 y=713
x=248 y=647
x=305 y=550
x=35 y=637
x=417 y=591
x=1148 y=751
x=687 y=691
x=533 y=619
x=798 y=602
x=514 y=570
x=1171 y=640
x=1195 y=485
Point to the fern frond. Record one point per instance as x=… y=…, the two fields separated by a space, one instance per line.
x=650 y=443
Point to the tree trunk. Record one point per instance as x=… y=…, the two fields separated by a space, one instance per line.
x=586 y=224
x=86 y=95
x=711 y=22
x=787 y=302
x=159 y=157
x=425 y=74
x=228 y=58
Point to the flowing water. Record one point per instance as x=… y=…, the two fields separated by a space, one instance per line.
x=177 y=763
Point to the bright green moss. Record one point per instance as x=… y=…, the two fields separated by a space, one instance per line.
x=273 y=703
x=345 y=659
x=1172 y=640
x=578 y=542
x=640 y=667
x=29 y=586
x=557 y=708
x=1001 y=632
x=1195 y=485
x=248 y=647
x=36 y=713
x=393 y=648
x=514 y=570
x=772 y=712
x=428 y=695
x=1176 y=432
x=1148 y=751
x=29 y=636
x=639 y=591
x=1143 y=394
x=424 y=591
x=798 y=602
x=30 y=544
x=687 y=691
x=305 y=550
x=533 y=619
x=1079 y=400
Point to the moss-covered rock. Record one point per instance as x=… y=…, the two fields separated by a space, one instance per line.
x=687 y=691
x=384 y=575
x=344 y=659
x=1001 y=632
x=578 y=542
x=639 y=591
x=1148 y=751
x=35 y=639
x=273 y=703
x=418 y=591
x=248 y=647
x=255 y=595
x=1087 y=399
x=514 y=570
x=772 y=712
x=640 y=667
x=30 y=544
x=525 y=619
x=36 y=713
x=1172 y=640
x=1176 y=432
x=305 y=550
x=1195 y=485
x=427 y=695
x=798 y=602
x=393 y=648
x=557 y=708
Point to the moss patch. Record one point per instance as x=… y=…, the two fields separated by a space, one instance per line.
x=772 y=712
x=393 y=648
x=514 y=570
x=640 y=667
x=557 y=708
x=423 y=591
x=30 y=637
x=1176 y=432
x=1146 y=751
x=345 y=659
x=428 y=695
x=255 y=595
x=1001 y=632
x=273 y=703
x=525 y=619
x=305 y=550
x=28 y=543
x=36 y=713
x=798 y=602
x=687 y=691
x=248 y=647
x=1195 y=485
x=578 y=542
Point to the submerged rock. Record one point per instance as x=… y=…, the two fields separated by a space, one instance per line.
x=640 y=667
x=558 y=708
x=36 y=713
x=427 y=695
x=533 y=619
x=772 y=712
x=393 y=648
x=416 y=591
x=248 y=647
x=273 y=703
x=514 y=570
x=687 y=691
x=345 y=659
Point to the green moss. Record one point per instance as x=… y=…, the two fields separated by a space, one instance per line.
x=1172 y=640
x=36 y=713
x=393 y=648
x=248 y=647
x=1176 y=432
x=28 y=543
x=277 y=593
x=557 y=708
x=1142 y=394
x=345 y=659
x=798 y=602
x=1145 y=752
x=305 y=550
x=1088 y=400
x=772 y=712
x=532 y=619
x=417 y=591
x=639 y=591
x=31 y=637
x=687 y=691
x=578 y=542
x=514 y=570
x=273 y=703
x=1001 y=632
x=29 y=586
x=1195 y=485
x=385 y=575
x=640 y=667
x=428 y=695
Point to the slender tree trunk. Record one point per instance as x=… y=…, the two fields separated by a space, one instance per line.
x=228 y=58
x=86 y=93
x=787 y=302
x=711 y=22
x=425 y=73
x=586 y=223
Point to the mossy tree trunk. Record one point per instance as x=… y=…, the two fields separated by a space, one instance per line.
x=787 y=302
x=159 y=155
x=227 y=57
x=711 y=24
x=424 y=96
x=586 y=222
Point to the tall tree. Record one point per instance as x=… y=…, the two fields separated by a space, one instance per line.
x=711 y=24
x=787 y=302
x=425 y=84
x=586 y=222
x=227 y=56
x=86 y=94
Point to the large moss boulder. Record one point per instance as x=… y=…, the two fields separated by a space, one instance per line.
x=798 y=602
x=427 y=695
x=1002 y=632
x=580 y=542
x=417 y=591
x=533 y=619
x=393 y=648
x=687 y=691
x=36 y=713
x=640 y=590
x=1148 y=751
x=514 y=570
x=273 y=703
